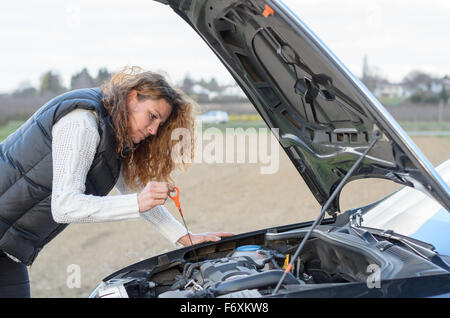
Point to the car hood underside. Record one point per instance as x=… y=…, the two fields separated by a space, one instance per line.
x=324 y=117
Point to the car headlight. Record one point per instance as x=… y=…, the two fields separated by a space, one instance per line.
x=113 y=288
x=94 y=292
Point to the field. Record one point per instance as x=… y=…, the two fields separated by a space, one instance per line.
x=215 y=197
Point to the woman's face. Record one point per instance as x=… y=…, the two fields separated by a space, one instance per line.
x=145 y=116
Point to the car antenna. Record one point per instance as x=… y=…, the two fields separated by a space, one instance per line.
x=377 y=136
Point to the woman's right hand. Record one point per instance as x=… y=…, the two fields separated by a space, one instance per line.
x=153 y=194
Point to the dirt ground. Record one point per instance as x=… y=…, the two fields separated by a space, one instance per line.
x=215 y=197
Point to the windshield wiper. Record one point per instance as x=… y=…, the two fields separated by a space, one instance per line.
x=423 y=249
x=420 y=248
x=390 y=234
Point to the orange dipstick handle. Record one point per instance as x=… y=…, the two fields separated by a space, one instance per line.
x=176 y=199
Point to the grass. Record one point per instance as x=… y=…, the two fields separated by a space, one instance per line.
x=425 y=125
x=9 y=128
x=391 y=101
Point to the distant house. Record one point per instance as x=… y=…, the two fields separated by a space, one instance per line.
x=233 y=90
x=392 y=90
x=226 y=92
x=199 y=89
x=202 y=93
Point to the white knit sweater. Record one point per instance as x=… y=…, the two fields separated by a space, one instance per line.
x=75 y=140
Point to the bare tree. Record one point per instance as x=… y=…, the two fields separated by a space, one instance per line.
x=371 y=77
x=417 y=80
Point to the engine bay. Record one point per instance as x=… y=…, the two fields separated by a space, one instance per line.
x=250 y=271
x=253 y=266
x=247 y=272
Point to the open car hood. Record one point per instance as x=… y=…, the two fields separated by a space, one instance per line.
x=326 y=117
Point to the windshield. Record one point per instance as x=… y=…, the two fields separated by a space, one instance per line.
x=412 y=213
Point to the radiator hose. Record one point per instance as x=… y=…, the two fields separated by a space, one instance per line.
x=259 y=280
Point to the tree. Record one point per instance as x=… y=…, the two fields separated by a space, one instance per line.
x=82 y=80
x=417 y=80
x=103 y=75
x=371 y=77
x=51 y=83
x=213 y=86
x=443 y=95
x=188 y=84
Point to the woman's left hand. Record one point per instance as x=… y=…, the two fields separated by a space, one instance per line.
x=203 y=237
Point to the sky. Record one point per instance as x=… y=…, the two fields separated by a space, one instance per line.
x=397 y=36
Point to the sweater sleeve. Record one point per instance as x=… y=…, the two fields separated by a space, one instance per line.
x=159 y=217
x=75 y=140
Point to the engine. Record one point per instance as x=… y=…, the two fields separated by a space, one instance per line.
x=249 y=271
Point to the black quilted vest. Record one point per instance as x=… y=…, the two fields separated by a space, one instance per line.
x=26 y=222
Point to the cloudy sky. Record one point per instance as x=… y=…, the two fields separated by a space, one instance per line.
x=65 y=36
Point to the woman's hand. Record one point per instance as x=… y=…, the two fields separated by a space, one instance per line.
x=154 y=193
x=202 y=237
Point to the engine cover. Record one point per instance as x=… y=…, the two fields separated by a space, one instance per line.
x=224 y=269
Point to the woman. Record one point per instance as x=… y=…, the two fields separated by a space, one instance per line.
x=59 y=166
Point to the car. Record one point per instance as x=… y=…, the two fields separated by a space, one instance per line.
x=213 y=117
x=334 y=131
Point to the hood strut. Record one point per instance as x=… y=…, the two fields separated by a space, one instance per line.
x=377 y=135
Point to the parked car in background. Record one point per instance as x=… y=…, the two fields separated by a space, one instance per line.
x=213 y=117
x=334 y=131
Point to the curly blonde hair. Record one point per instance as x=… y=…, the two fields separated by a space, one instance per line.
x=151 y=159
